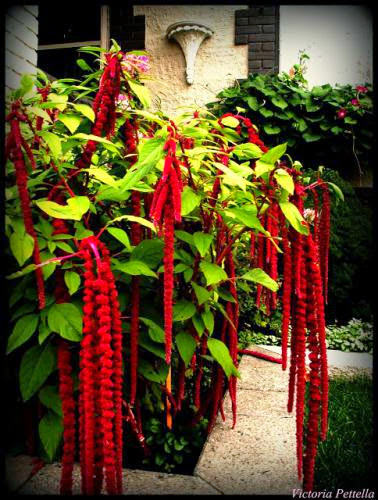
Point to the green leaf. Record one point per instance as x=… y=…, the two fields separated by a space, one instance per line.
x=261 y=168
x=201 y=293
x=246 y=217
x=184 y=236
x=183 y=310
x=92 y=137
x=43 y=332
x=72 y=122
x=213 y=273
x=337 y=190
x=208 y=320
x=252 y=102
x=50 y=432
x=267 y=113
x=221 y=354
x=133 y=218
x=149 y=251
x=150 y=373
x=271 y=129
x=294 y=217
x=36 y=365
x=189 y=200
x=85 y=110
x=53 y=141
x=230 y=121
x=22 y=331
x=279 y=102
x=145 y=341
x=198 y=324
x=49 y=397
x=284 y=179
x=247 y=151
x=135 y=268
x=26 y=270
x=102 y=176
x=26 y=84
x=259 y=276
x=202 y=242
x=74 y=210
x=72 y=280
x=150 y=152
x=66 y=320
x=22 y=246
x=186 y=346
x=310 y=137
x=120 y=235
x=155 y=331
x=321 y=91
x=274 y=154
x=141 y=92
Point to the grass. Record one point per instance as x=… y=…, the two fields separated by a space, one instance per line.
x=345 y=459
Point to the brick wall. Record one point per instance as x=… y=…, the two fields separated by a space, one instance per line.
x=258 y=27
x=21 y=42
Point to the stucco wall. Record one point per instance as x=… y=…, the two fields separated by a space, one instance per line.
x=219 y=61
x=21 y=42
x=338 y=39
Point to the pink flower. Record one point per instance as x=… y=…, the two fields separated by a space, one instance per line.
x=355 y=102
x=362 y=89
x=135 y=64
x=341 y=113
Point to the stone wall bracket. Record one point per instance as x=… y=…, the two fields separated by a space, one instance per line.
x=189 y=36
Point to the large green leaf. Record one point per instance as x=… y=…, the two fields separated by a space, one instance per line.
x=189 y=200
x=294 y=217
x=120 y=235
x=284 y=179
x=102 y=175
x=36 y=365
x=66 y=320
x=202 y=242
x=149 y=251
x=53 y=141
x=247 y=151
x=246 y=217
x=201 y=293
x=213 y=273
x=221 y=354
x=22 y=331
x=134 y=218
x=274 y=154
x=72 y=280
x=186 y=346
x=49 y=397
x=183 y=310
x=152 y=373
x=50 y=432
x=259 y=276
x=136 y=268
x=74 y=210
x=85 y=110
x=22 y=246
x=141 y=92
x=154 y=330
x=146 y=342
x=208 y=320
x=150 y=153
x=71 y=121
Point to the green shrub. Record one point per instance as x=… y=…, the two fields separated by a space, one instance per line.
x=356 y=336
x=327 y=124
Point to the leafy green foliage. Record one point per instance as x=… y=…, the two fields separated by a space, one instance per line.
x=306 y=119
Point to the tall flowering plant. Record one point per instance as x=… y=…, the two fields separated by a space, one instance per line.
x=124 y=225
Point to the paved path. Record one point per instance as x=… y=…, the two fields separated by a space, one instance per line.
x=337 y=358
x=257 y=457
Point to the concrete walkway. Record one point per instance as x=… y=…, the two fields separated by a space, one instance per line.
x=256 y=458
x=337 y=358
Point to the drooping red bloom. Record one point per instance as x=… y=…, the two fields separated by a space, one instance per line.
x=165 y=211
x=15 y=142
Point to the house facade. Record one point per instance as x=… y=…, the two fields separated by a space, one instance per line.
x=214 y=44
